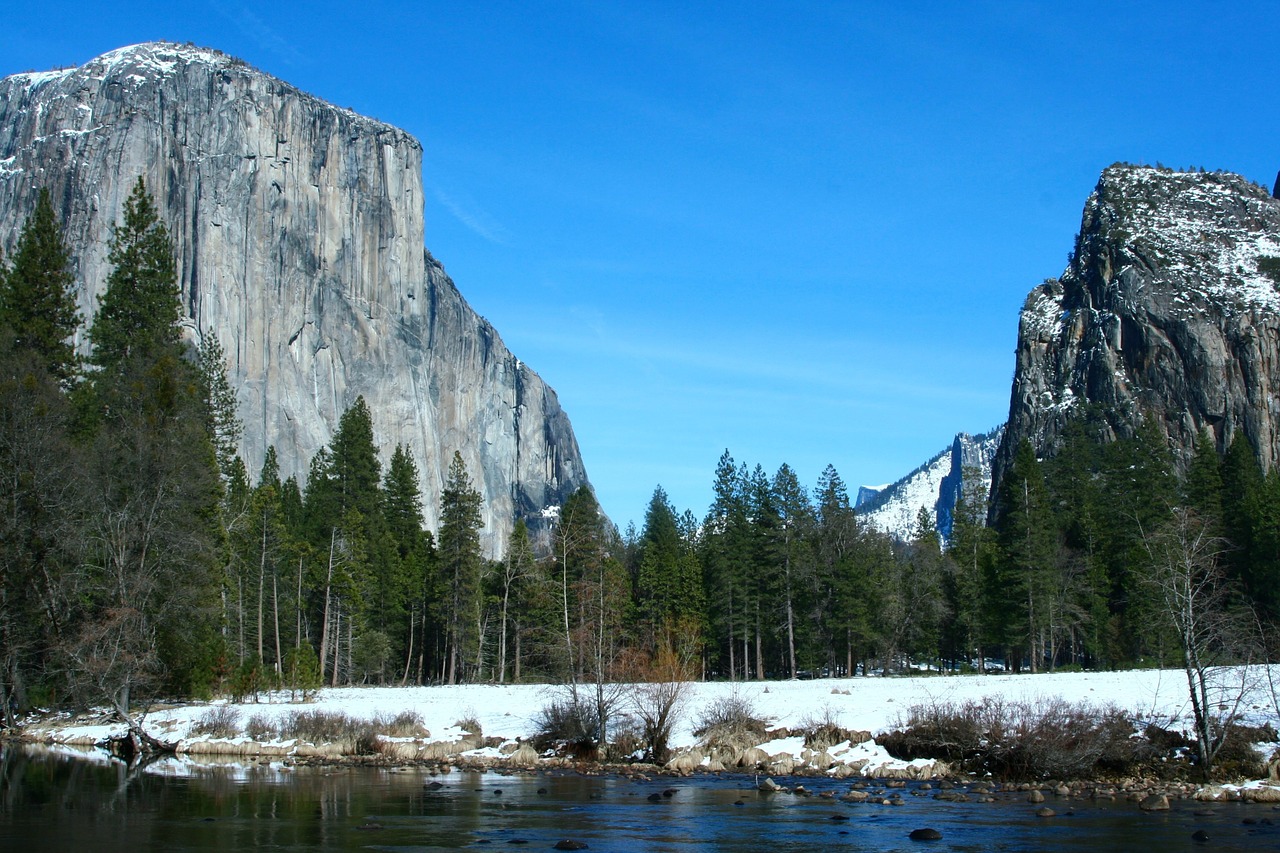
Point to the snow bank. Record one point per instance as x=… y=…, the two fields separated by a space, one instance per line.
x=508 y=712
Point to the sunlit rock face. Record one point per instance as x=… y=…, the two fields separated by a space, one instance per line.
x=298 y=232
x=1168 y=310
x=933 y=486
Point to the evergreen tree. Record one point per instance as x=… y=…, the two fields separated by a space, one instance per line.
x=222 y=419
x=1026 y=537
x=795 y=520
x=354 y=469
x=460 y=566
x=725 y=555
x=970 y=553
x=579 y=552
x=408 y=576
x=139 y=314
x=1202 y=488
x=668 y=589
x=36 y=299
x=153 y=537
x=1243 y=488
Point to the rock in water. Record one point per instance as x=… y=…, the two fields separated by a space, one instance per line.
x=926 y=834
x=1154 y=803
x=1168 y=309
x=298 y=233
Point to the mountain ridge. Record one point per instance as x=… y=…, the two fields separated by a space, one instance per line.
x=1168 y=310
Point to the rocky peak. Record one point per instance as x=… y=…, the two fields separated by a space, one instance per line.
x=298 y=231
x=933 y=486
x=1167 y=310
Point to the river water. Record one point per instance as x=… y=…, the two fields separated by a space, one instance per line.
x=51 y=800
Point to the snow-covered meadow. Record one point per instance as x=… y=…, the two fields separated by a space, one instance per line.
x=870 y=704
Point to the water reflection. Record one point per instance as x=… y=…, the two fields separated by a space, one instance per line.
x=56 y=801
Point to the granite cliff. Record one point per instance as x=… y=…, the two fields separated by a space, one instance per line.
x=933 y=486
x=298 y=230
x=1168 y=310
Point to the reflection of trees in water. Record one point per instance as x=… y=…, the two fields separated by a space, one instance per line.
x=95 y=803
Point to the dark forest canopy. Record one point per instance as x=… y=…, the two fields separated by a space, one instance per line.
x=139 y=557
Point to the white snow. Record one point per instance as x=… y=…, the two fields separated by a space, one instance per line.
x=872 y=704
x=1194 y=243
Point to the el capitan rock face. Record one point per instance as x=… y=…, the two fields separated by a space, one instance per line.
x=1169 y=310
x=298 y=232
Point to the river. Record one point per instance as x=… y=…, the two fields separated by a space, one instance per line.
x=55 y=800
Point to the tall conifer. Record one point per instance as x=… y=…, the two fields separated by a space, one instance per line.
x=36 y=298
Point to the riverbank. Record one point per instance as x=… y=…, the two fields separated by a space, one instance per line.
x=493 y=726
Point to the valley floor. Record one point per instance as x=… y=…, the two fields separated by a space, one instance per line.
x=872 y=704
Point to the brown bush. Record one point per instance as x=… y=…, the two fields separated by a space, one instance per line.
x=731 y=722
x=219 y=721
x=1018 y=740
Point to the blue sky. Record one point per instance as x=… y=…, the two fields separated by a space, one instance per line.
x=797 y=231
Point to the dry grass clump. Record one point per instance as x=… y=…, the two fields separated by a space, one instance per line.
x=731 y=722
x=403 y=724
x=822 y=729
x=219 y=721
x=351 y=735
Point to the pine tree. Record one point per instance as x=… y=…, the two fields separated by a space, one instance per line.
x=724 y=555
x=795 y=520
x=139 y=314
x=1026 y=536
x=407 y=575
x=661 y=596
x=36 y=299
x=970 y=552
x=460 y=565
x=155 y=530
x=222 y=420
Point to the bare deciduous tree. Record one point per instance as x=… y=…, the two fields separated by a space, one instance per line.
x=1214 y=634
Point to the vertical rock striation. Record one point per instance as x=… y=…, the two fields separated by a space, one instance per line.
x=1169 y=309
x=299 y=236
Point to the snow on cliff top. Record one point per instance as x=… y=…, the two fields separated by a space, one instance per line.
x=156 y=60
x=1205 y=231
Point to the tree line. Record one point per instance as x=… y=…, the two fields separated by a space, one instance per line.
x=139 y=557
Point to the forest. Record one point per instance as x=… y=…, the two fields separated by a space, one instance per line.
x=140 y=558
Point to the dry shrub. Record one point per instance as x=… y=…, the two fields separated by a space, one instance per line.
x=405 y=724
x=218 y=721
x=731 y=722
x=1238 y=758
x=629 y=737
x=567 y=723
x=259 y=728
x=1019 y=740
x=659 y=692
x=822 y=729
x=352 y=736
x=470 y=724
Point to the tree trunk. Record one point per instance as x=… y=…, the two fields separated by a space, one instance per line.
x=337 y=642
x=408 y=657
x=759 y=651
x=262 y=587
x=502 y=637
x=324 y=620
x=275 y=608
